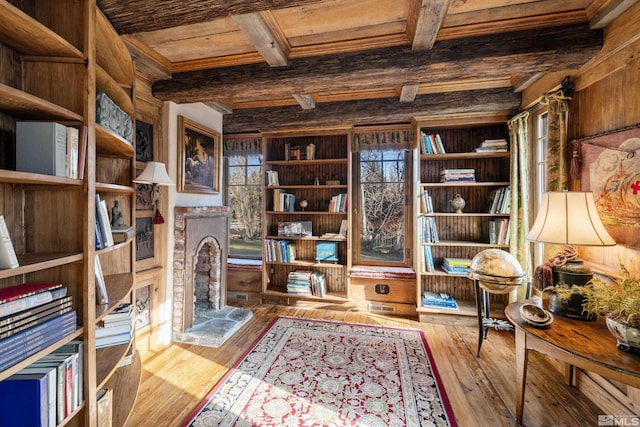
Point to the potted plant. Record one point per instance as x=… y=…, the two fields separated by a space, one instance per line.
x=618 y=302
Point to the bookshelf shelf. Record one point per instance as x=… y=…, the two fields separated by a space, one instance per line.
x=24 y=105
x=330 y=297
x=457 y=235
x=31 y=263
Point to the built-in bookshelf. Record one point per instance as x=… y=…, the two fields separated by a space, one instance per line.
x=52 y=73
x=305 y=197
x=458 y=165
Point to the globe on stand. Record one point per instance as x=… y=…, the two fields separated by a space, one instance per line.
x=303 y=204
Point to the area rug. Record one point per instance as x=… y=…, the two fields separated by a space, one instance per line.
x=304 y=372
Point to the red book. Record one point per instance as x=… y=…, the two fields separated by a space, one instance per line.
x=26 y=289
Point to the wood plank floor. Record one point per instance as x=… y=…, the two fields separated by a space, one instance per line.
x=481 y=390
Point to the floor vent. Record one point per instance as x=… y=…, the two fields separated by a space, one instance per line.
x=380 y=307
x=238 y=295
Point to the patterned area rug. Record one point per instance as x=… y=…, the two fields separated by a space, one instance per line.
x=304 y=372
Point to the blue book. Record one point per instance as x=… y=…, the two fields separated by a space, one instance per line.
x=24 y=400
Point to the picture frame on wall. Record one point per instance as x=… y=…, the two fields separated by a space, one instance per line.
x=144 y=141
x=200 y=151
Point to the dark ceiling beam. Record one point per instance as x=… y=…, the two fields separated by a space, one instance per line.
x=129 y=17
x=518 y=53
x=372 y=111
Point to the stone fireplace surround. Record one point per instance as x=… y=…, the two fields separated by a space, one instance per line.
x=200 y=313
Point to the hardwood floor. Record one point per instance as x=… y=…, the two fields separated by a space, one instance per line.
x=481 y=390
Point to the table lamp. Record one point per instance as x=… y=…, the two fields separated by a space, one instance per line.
x=156 y=175
x=567 y=218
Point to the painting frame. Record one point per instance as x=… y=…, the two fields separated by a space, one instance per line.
x=200 y=161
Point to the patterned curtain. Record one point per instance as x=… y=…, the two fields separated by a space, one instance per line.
x=381 y=139
x=557 y=171
x=242 y=146
x=519 y=217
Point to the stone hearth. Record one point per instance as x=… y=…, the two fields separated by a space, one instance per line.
x=200 y=313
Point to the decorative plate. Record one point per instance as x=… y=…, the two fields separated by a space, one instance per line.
x=535 y=316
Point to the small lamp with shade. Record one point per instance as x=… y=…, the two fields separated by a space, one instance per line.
x=567 y=218
x=155 y=174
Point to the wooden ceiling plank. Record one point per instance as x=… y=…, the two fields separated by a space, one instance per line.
x=524 y=82
x=426 y=20
x=306 y=101
x=130 y=16
x=408 y=93
x=487 y=57
x=147 y=59
x=263 y=38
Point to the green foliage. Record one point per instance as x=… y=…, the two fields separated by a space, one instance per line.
x=619 y=301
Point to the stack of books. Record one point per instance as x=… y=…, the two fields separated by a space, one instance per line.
x=493 y=145
x=279 y=250
x=438 y=299
x=428 y=264
x=116 y=327
x=32 y=317
x=306 y=282
x=458 y=175
x=431 y=144
x=456 y=265
x=499 y=231
x=427 y=202
x=283 y=201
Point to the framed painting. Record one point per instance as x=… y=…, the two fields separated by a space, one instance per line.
x=612 y=173
x=200 y=151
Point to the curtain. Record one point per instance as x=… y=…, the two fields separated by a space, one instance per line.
x=397 y=139
x=250 y=145
x=557 y=171
x=519 y=216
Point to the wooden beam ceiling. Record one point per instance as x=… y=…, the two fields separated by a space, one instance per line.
x=374 y=111
x=487 y=57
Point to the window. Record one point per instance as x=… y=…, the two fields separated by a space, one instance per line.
x=540 y=185
x=243 y=178
x=381 y=192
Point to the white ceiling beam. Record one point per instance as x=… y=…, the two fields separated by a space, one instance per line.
x=306 y=101
x=263 y=38
x=425 y=21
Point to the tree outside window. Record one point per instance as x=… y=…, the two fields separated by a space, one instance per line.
x=243 y=177
x=383 y=210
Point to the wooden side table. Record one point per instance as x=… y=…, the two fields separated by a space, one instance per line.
x=584 y=344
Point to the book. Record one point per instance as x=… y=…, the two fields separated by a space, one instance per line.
x=41 y=147
x=28 y=405
x=105 y=225
x=76 y=346
x=438 y=299
x=102 y=297
x=121 y=235
x=21 y=304
x=113 y=340
x=123 y=312
x=8 y=258
x=20 y=325
x=51 y=373
x=35 y=339
x=33 y=311
x=69 y=362
x=24 y=290
x=82 y=150
x=72 y=152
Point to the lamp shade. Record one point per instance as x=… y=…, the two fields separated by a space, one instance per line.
x=569 y=218
x=154 y=173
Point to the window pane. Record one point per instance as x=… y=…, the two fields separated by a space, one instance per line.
x=382 y=222
x=244 y=197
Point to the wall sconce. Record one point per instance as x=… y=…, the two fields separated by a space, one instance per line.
x=567 y=218
x=155 y=174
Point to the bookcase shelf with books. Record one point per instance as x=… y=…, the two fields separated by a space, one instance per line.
x=52 y=73
x=450 y=233
x=314 y=192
